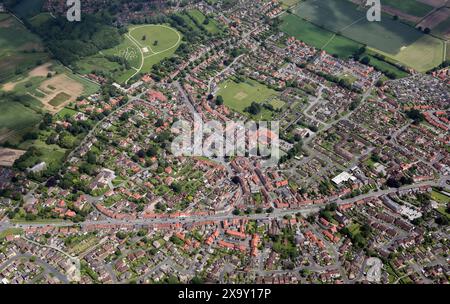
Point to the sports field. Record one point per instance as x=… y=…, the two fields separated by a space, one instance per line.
x=240 y=95
x=392 y=38
x=143 y=46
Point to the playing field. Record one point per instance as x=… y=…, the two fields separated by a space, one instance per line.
x=239 y=96
x=393 y=38
x=143 y=46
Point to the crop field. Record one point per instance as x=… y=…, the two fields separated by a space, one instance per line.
x=8 y=156
x=18 y=114
x=19 y=49
x=392 y=38
x=239 y=95
x=410 y=7
x=39 y=94
x=318 y=37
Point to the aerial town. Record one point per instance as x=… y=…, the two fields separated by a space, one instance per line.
x=92 y=193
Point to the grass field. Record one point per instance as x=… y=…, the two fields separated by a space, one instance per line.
x=239 y=96
x=318 y=37
x=143 y=47
x=289 y=3
x=387 y=67
x=18 y=115
x=440 y=198
x=212 y=27
x=392 y=38
x=20 y=50
x=411 y=7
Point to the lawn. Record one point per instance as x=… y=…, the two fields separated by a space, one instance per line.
x=10 y=231
x=168 y=40
x=410 y=7
x=143 y=47
x=157 y=38
x=66 y=111
x=391 y=38
x=239 y=96
x=440 y=197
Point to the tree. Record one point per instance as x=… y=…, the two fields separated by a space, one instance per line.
x=254 y=108
x=219 y=100
x=144 y=38
x=415 y=115
x=155 y=43
x=365 y=60
x=152 y=151
x=176 y=187
x=91 y=158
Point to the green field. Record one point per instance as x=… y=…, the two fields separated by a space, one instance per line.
x=21 y=115
x=318 y=37
x=212 y=26
x=391 y=38
x=410 y=7
x=387 y=67
x=289 y=3
x=143 y=47
x=20 y=50
x=440 y=197
x=59 y=99
x=239 y=96
x=17 y=115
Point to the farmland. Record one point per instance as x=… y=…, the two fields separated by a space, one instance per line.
x=28 y=96
x=391 y=38
x=20 y=50
x=410 y=7
x=318 y=37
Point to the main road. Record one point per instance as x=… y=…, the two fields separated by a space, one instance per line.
x=277 y=213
